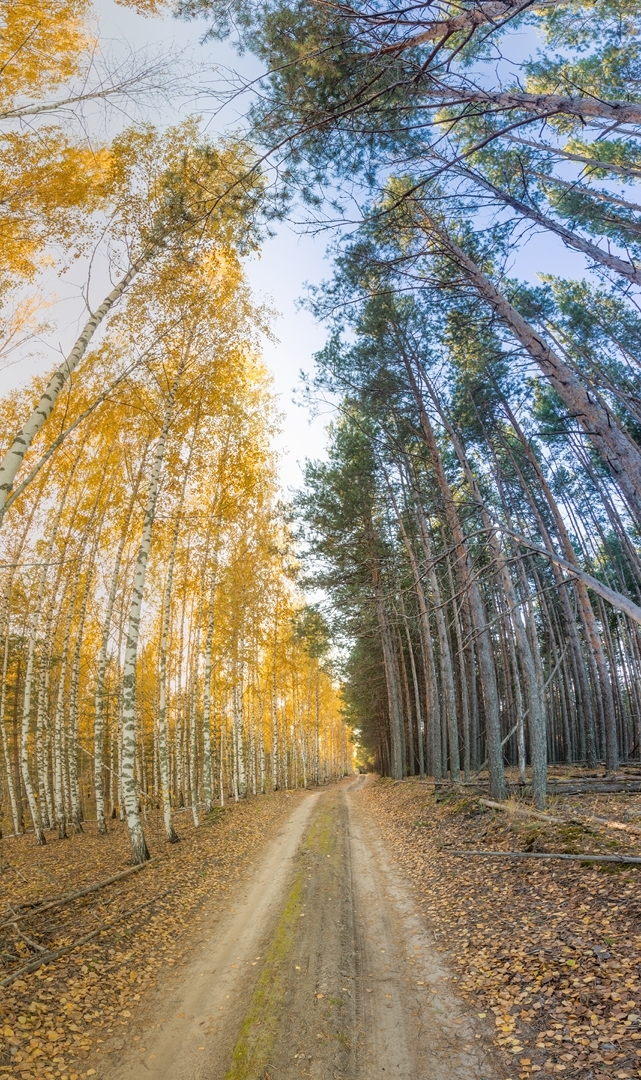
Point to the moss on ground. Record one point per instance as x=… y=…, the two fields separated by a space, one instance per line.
x=261 y=1026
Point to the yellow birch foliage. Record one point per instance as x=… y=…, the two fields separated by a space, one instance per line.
x=48 y=187
x=235 y=667
x=41 y=46
x=50 y=181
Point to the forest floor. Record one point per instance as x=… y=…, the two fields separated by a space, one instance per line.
x=329 y=935
x=549 y=951
x=65 y=1019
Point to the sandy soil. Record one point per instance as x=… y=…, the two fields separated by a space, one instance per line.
x=324 y=970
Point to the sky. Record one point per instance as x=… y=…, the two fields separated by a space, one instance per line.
x=288 y=259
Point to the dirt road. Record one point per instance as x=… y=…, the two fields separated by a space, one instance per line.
x=324 y=969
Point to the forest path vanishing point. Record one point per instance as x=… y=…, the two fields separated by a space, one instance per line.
x=324 y=969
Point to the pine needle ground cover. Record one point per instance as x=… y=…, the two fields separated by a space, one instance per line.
x=61 y=1020
x=549 y=951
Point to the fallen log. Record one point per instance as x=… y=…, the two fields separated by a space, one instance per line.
x=608 y=823
x=49 y=957
x=570 y=786
x=622 y=859
x=593 y=781
x=592 y=819
x=603 y=788
x=32 y=944
x=524 y=812
x=76 y=895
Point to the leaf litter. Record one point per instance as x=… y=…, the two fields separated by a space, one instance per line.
x=548 y=951
x=62 y=1020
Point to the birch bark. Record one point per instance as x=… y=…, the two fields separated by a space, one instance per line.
x=61 y=759
x=31 y=648
x=163 y=732
x=5 y=627
x=275 y=728
x=5 y=748
x=76 y=810
x=238 y=721
x=261 y=746
x=134 y=824
x=207 y=692
x=252 y=738
x=102 y=660
x=15 y=455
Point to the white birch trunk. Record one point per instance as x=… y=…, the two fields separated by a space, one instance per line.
x=222 y=758
x=261 y=746
x=5 y=748
x=15 y=455
x=43 y=726
x=252 y=741
x=317 y=729
x=134 y=824
x=303 y=755
x=234 y=749
x=285 y=755
x=76 y=810
x=179 y=722
x=60 y=801
x=238 y=721
x=207 y=695
x=163 y=735
x=5 y=624
x=209 y=639
x=26 y=714
x=102 y=664
x=43 y=737
x=58 y=788
x=163 y=732
x=275 y=734
x=193 y=733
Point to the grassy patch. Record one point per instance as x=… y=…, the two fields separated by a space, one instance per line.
x=260 y=1028
x=322 y=833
